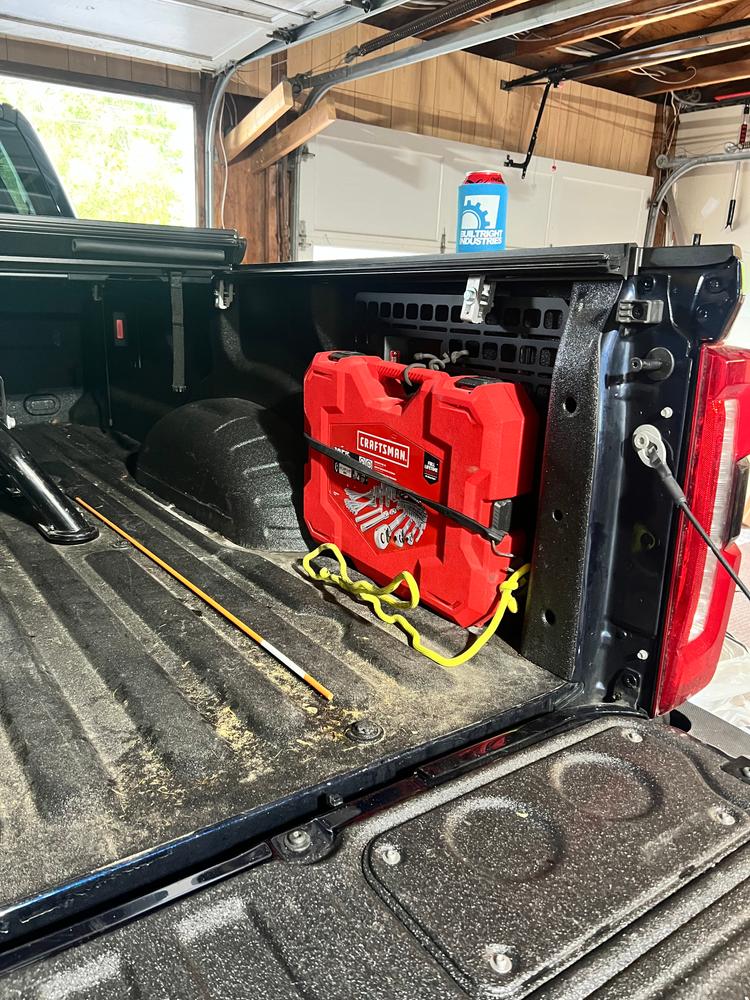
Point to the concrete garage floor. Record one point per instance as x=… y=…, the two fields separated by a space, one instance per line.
x=728 y=695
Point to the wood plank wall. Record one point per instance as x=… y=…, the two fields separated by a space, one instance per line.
x=456 y=97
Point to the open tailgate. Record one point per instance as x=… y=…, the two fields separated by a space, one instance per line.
x=609 y=860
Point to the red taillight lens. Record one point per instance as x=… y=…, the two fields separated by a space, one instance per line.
x=701 y=591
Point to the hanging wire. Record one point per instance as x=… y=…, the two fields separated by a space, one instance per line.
x=662 y=75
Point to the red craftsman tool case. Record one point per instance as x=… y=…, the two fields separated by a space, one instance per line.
x=414 y=469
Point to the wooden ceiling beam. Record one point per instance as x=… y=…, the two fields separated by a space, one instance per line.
x=662 y=52
x=630 y=15
x=736 y=13
x=706 y=76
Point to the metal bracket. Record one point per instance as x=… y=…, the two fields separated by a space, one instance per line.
x=633 y=311
x=523 y=165
x=305 y=844
x=223 y=294
x=302 y=241
x=478 y=299
x=285 y=35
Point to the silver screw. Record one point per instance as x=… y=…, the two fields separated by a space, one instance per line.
x=724 y=817
x=391 y=856
x=667 y=412
x=501 y=962
x=633 y=736
x=469 y=295
x=298 y=841
x=642 y=654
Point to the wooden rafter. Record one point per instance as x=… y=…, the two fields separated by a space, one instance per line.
x=665 y=52
x=608 y=22
x=735 y=12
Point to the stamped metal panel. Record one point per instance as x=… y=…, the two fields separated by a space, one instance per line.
x=520 y=876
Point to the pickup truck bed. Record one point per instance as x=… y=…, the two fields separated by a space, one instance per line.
x=149 y=750
x=133 y=715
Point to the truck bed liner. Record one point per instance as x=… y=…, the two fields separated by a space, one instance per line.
x=131 y=715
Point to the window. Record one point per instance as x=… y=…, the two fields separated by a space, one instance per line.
x=120 y=158
x=13 y=195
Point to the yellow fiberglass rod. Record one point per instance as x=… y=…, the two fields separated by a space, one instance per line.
x=263 y=643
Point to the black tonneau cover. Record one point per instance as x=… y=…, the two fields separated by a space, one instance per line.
x=81 y=248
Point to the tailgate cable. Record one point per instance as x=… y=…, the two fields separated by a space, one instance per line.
x=364 y=590
x=652 y=452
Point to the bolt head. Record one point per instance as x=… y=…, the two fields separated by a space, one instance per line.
x=667 y=412
x=642 y=654
x=501 y=962
x=391 y=856
x=723 y=816
x=469 y=295
x=633 y=735
x=364 y=731
x=298 y=841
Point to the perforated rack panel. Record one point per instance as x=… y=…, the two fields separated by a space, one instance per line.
x=518 y=342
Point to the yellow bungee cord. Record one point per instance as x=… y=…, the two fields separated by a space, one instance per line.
x=377 y=597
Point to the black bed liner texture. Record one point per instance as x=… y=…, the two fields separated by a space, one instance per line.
x=131 y=714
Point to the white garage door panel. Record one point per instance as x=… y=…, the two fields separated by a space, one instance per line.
x=528 y=201
x=367 y=187
x=362 y=187
x=586 y=210
x=199 y=34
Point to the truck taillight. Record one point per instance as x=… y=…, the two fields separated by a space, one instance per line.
x=715 y=482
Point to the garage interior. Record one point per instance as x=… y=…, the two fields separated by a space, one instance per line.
x=623 y=87
x=333 y=138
